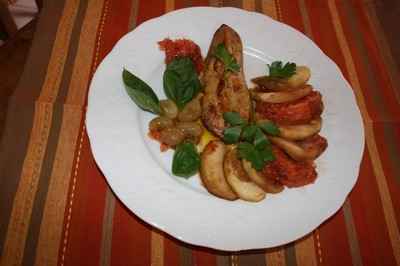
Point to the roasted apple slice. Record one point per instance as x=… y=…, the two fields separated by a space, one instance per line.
x=238 y=178
x=212 y=171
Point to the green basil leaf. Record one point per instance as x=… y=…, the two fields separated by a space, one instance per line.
x=267 y=155
x=260 y=140
x=269 y=128
x=248 y=132
x=250 y=153
x=233 y=118
x=171 y=82
x=141 y=93
x=180 y=81
x=186 y=161
x=232 y=134
x=229 y=61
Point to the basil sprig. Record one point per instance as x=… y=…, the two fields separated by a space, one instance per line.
x=254 y=145
x=186 y=161
x=229 y=61
x=180 y=80
x=280 y=71
x=141 y=93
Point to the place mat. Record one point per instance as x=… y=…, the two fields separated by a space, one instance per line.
x=56 y=207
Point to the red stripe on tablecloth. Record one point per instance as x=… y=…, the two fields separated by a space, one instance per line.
x=171 y=251
x=150 y=9
x=84 y=227
x=333 y=232
x=290 y=14
x=190 y=3
x=88 y=187
x=377 y=111
x=204 y=257
x=375 y=246
x=131 y=239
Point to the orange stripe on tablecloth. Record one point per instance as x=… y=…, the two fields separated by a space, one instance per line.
x=18 y=227
x=157 y=248
x=249 y=5
x=269 y=8
x=83 y=228
x=131 y=243
x=380 y=175
x=51 y=227
x=275 y=256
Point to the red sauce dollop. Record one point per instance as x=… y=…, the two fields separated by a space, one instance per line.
x=182 y=48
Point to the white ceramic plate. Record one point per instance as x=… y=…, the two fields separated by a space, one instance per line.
x=140 y=175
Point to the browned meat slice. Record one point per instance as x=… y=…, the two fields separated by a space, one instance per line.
x=224 y=92
x=298 y=112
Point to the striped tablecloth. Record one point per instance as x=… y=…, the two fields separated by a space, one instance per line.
x=55 y=206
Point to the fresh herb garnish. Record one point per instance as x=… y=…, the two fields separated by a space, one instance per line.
x=186 y=161
x=232 y=134
x=253 y=145
x=229 y=61
x=260 y=140
x=269 y=128
x=181 y=83
x=233 y=118
x=141 y=93
x=280 y=71
x=248 y=152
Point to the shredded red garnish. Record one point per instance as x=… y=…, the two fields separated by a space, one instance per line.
x=182 y=48
x=155 y=134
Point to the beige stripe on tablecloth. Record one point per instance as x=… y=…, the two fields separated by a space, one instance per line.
x=20 y=217
x=52 y=223
x=384 y=194
x=23 y=203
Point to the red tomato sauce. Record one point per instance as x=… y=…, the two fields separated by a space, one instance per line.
x=182 y=48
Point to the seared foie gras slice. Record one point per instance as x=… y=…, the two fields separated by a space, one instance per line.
x=224 y=91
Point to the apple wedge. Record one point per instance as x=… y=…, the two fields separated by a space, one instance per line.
x=212 y=172
x=267 y=184
x=238 y=178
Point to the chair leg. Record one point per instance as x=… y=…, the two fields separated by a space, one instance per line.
x=39 y=4
x=7 y=19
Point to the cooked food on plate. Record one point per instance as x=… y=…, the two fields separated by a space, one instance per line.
x=245 y=143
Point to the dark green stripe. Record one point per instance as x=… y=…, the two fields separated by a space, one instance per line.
x=290 y=255
x=223 y=260
x=48 y=160
x=185 y=255
x=392 y=145
x=252 y=259
x=388 y=14
x=20 y=112
x=232 y=3
x=374 y=91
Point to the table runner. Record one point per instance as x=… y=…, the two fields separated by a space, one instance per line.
x=55 y=205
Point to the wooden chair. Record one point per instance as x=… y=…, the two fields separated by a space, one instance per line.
x=6 y=18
